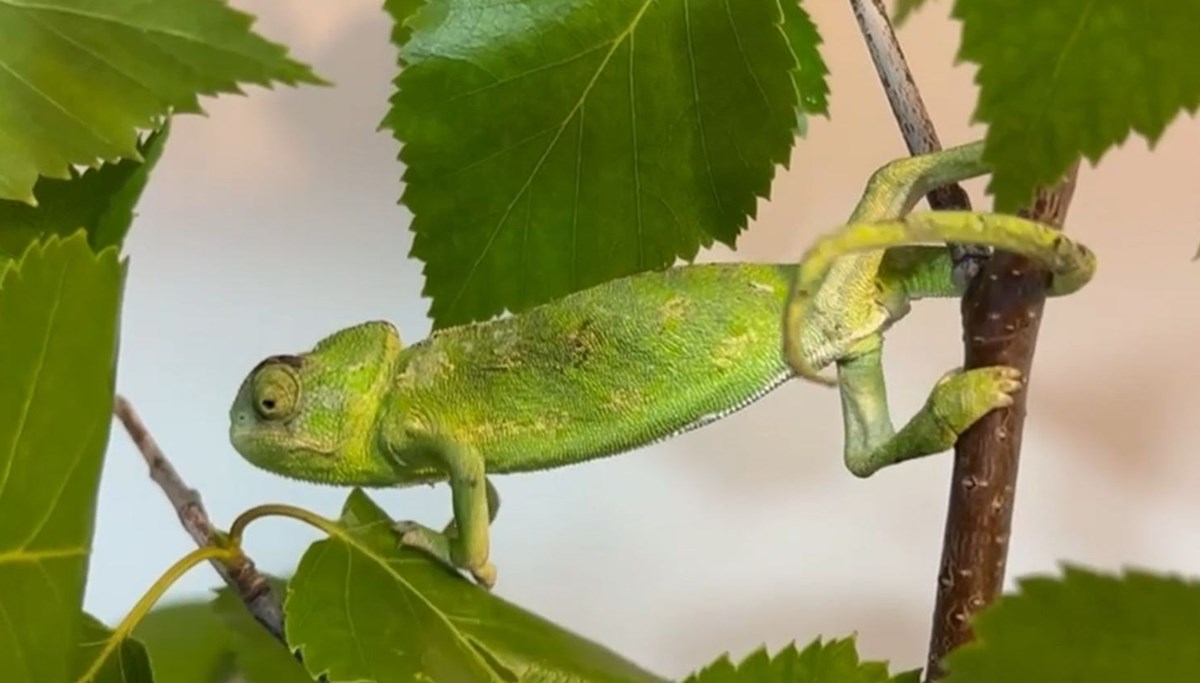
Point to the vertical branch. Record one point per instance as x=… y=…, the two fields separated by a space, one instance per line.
x=1001 y=312
x=916 y=127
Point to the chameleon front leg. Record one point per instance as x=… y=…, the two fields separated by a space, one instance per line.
x=957 y=400
x=493 y=507
x=467 y=547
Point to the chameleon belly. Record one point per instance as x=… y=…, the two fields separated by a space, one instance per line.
x=605 y=370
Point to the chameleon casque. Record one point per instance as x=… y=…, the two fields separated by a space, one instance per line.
x=639 y=360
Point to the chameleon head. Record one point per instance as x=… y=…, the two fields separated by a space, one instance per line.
x=311 y=416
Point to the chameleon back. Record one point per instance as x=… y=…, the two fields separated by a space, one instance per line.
x=604 y=370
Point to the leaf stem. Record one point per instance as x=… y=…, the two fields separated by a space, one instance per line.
x=148 y=600
x=238 y=529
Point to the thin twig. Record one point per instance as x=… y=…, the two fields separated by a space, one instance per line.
x=912 y=117
x=1001 y=313
x=250 y=585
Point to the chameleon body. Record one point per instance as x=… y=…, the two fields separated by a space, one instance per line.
x=638 y=360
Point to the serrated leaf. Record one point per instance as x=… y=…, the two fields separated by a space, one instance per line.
x=400 y=12
x=551 y=145
x=102 y=658
x=833 y=662
x=810 y=71
x=81 y=77
x=1086 y=626
x=362 y=608
x=1072 y=77
x=58 y=337
x=99 y=200
x=187 y=643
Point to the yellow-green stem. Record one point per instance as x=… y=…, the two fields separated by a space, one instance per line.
x=279 y=510
x=147 y=601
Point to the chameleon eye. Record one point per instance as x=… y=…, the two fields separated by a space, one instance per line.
x=276 y=392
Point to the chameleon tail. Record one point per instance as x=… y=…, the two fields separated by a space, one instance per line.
x=1071 y=264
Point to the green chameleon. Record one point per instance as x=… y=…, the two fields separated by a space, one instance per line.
x=638 y=360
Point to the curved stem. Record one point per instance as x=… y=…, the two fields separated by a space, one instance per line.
x=238 y=529
x=148 y=600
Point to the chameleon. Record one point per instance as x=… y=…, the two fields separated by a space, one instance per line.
x=641 y=359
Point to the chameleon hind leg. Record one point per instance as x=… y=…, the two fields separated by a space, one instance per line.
x=907 y=271
x=464 y=544
x=956 y=402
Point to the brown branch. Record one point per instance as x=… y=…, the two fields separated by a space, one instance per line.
x=916 y=126
x=250 y=585
x=1001 y=312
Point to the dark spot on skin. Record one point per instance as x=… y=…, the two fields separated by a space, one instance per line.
x=581 y=342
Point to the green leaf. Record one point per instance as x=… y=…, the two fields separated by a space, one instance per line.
x=809 y=74
x=361 y=607
x=99 y=200
x=188 y=643
x=832 y=662
x=551 y=145
x=212 y=641
x=260 y=658
x=58 y=338
x=905 y=8
x=81 y=77
x=400 y=12
x=1086 y=627
x=101 y=660
x=1070 y=77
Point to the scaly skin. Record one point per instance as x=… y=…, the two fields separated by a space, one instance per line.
x=638 y=360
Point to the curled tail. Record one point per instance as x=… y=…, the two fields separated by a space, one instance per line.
x=1071 y=264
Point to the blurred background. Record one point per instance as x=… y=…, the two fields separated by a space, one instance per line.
x=274 y=221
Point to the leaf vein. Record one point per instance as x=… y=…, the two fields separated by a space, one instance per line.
x=487 y=247
x=27 y=404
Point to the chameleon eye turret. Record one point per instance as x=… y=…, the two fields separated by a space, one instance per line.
x=276 y=391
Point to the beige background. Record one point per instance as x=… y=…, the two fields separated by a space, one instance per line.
x=273 y=221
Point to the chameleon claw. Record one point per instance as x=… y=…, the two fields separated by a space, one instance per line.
x=437 y=546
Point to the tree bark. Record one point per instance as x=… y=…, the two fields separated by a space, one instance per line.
x=1001 y=310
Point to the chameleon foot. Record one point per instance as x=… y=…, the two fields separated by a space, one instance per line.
x=956 y=402
x=440 y=547
x=960 y=397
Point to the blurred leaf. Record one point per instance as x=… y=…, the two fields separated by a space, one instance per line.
x=81 y=77
x=58 y=338
x=100 y=660
x=362 y=608
x=260 y=657
x=212 y=641
x=904 y=9
x=1086 y=627
x=832 y=662
x=187 y=642
x=100 y=200
x=1070 y=77
x=551 y=145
